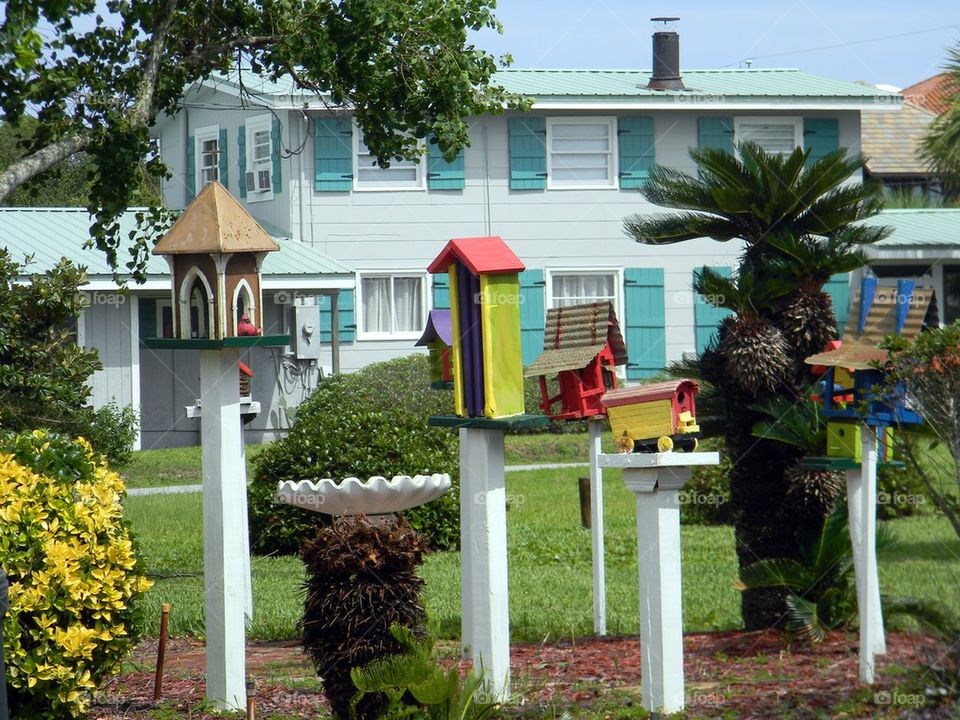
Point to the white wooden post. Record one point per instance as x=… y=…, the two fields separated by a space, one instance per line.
x=466 y=522
x=862 y=512
x=247 y=574
x=596 y=530
x=656 y=479
x=483 y=547
x=224 y=542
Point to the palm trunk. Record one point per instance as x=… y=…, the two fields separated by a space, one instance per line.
x=768 y=523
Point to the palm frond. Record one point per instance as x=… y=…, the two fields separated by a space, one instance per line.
x=664 y=229
x=797 y=424
x=804 y=618
x=777 y=572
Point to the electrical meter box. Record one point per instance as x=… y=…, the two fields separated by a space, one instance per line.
x=305 y=333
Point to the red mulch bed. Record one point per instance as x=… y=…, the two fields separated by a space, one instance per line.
x=746 y=675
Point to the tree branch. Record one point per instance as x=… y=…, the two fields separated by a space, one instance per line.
x=27 y=168
x=143 y=109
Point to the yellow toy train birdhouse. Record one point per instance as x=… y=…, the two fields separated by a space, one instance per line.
x=654 y=418
x=485 y=325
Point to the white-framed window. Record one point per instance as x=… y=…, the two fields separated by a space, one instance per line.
x=259 y=160
x=581 y=152
x=367 y=175
x=576 y=287
x=392 y=305
x=779 y=135
x=207 y=154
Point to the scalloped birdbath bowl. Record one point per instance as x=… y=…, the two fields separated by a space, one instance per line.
x=376 y=496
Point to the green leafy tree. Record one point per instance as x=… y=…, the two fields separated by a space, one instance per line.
x=65 y=185
x=96 y=78
x=940 y=147
x=795 y=218
x=43 y=372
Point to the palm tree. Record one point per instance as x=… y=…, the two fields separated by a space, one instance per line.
x=940 y=147
x=796 y=219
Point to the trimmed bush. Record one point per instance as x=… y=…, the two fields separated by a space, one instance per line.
x=74 y=576
x=373 y=422
x=112 y=432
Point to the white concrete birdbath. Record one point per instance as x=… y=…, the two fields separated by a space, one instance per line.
x=352 y=496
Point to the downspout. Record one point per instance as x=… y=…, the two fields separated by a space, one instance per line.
x=185 y=134
x=486 y=181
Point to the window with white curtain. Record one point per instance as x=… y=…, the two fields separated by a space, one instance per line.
x=402 y=174
x=779 y=135
x=580 y=152
x=579 y=288
x=392 y=304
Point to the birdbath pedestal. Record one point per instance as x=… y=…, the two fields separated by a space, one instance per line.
x=656 y=479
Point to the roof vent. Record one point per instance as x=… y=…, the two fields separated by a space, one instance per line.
x=666 y=56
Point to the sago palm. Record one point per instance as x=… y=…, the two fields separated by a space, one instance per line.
x=799 y=222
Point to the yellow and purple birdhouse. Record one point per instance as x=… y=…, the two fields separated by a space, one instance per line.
x=485 y=326
x=438 y=339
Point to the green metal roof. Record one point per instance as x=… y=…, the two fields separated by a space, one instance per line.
x=922 y=227
x=53 y=233
x=740 y=83
x=587 y=86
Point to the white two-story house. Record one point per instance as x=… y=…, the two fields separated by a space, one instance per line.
x=555 y=183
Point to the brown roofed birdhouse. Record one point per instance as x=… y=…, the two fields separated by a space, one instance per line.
x=215 y=250
x=582 y=345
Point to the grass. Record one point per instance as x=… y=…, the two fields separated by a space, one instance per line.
x=550 y=572
x=171 y=466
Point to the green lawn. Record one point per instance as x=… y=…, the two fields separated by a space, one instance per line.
x=550 y=575
x=172 y=466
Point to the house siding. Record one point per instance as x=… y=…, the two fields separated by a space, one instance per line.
x=549 y=230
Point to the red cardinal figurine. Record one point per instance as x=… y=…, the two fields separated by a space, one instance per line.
x=245 y=327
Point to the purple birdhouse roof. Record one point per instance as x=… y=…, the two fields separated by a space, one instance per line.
x=438 y=328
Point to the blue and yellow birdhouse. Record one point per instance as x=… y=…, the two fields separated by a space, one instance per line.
x=485 y=324
x=852 y=391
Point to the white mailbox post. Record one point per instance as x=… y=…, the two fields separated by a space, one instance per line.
x=656 y=479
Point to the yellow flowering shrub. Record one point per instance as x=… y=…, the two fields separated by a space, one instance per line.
x=74 y=575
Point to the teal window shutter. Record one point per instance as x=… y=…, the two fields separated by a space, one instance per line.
x=242 y=159
x=332 y=155
x=275 y=156
x=532 y=314
x=715 y=132
x=441 y=292
x=635 y=141
x=443 y=175
x=645 y=322
x=528 y=153
x=191 y=168
x=147 y=317
x=821 y=136
x=706 y=317
x=222 y=158
x=838 y=288
x=345 y=311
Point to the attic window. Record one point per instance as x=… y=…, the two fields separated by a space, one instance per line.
x=776 y=135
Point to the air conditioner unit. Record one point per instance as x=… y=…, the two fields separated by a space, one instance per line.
x=253 y=177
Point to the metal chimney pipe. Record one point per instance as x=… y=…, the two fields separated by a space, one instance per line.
x=666 y=58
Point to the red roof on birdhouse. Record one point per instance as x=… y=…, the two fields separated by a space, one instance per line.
x=480 y=255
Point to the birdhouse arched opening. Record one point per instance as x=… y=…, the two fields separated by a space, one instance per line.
x=196 y=305
x=244 y=305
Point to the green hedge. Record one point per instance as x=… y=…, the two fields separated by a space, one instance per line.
x=373 y=422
